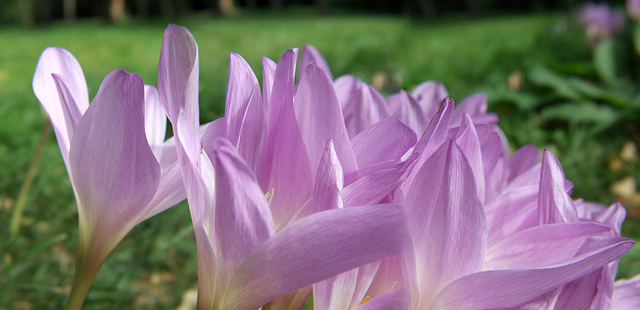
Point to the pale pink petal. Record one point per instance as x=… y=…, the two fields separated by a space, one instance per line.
x=432 y=138
x=541 y=245
x=523 y=159
x=396 y=300
x=336 y=292
x=474 y=105
x=372 y=184
x=512 y=288
x=513 y=211
x=320 y=118
x=626 y=294
x=311 y=55
x=592 y=291
x=242 y=216
x=307 y=252
x=328 y=187
x=446 y=222
x=155 y=122
x=178 y=88
x=70 y=110
x=613 y=216
x=429 y=94
x=268 y=75
x=287 y=168
x=467 y=139
x=386 y=140
x=362 y=105
x=408 y=111
x=112 y=166
x=554 y=202
x=59 y=61
x=244 y=110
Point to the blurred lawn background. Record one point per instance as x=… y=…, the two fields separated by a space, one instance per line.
x=156 y=263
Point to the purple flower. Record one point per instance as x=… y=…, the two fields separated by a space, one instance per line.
x=113 y=150
x=488 y=229
x=633 y=9
x=599 y=21
x=244 y=259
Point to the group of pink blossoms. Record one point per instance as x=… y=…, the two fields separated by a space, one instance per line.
x=326 y=188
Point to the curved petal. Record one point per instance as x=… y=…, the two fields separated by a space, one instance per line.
x=429 y=95
x=362 y=105
x=268 y=74
x=592 y=291
x=375 y=182
x=476 y=106
x=311 y=55
x=541 y=245
x=446 y=222
x=307 y=252
x=178 y=71
x=72 y=113
x=285 y=163
x=523 y=159
x=112 y=166
x=386 y=140
x=242 y=216
x=554 y=202
x=59 y=61
x=626 y=294
x=613 y=216
x=467 y=139
x=337 y=292
x=513 y=211
x=407 y=110
x=244 y=110
x=328 y=187
x=396 y=300
x=432 y=138
x=170 y=190
x=320 y=118
x=511 y=288
x=155 y=122
x=178 y=92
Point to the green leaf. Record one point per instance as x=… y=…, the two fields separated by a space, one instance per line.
x=635 y=34
x=586 y=111
x=604 y=61
x=543 y=77
x=596 y=92
x=523 y=101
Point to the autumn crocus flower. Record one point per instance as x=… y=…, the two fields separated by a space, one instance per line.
x=120 y=173
x=599 y=21
x=633 y=9
x=243 y=262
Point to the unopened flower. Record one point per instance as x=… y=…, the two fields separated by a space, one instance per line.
x=113 y=151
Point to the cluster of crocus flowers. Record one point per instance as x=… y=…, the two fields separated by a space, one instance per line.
x=599 y=21
x=325 y=188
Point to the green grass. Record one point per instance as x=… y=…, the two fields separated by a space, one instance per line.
x=156 y=262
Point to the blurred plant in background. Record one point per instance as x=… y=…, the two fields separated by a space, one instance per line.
x=584 y=92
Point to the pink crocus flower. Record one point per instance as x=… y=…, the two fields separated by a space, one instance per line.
x=113 y=150
x=244 y=261
x=633 y=9
x=459 y=258
x=600 y=21
x=508 y=187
